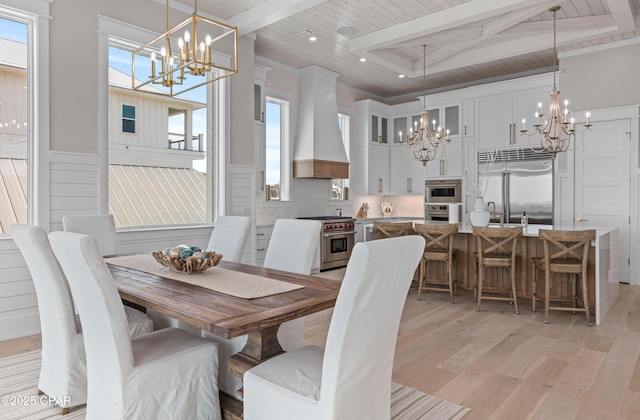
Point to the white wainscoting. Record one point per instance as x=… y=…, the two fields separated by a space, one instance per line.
x=241 y=198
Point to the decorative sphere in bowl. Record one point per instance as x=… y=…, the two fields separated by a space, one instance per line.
x=185 y=259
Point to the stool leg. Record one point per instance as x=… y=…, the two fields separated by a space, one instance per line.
x=513 y=289
x=547 y=282
x=534 y=286
x=574 y=290
x=422 y=274
x=457 y=276
x=480 y=278
x=448 y=264
x=585 y=297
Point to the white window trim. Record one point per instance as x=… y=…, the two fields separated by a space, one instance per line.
x=35 y=14
x=286 y=190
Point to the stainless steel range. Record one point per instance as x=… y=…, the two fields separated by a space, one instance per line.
x=336 y=240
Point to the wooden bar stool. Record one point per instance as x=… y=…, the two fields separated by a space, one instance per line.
x=496 y=248
x=565 y=252
x=438 y=247
x=391 y=230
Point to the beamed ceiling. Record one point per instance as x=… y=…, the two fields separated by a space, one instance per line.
x=467 y=41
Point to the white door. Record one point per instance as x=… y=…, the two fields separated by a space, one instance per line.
x=602 y=182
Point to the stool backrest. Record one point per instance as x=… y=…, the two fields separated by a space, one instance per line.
x=567 y=243
x=437 y=237
x=392 y=230
x=496 y=240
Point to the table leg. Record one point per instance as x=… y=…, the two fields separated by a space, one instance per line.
x=261 y=345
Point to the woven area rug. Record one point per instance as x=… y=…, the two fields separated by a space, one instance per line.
x=19 y=399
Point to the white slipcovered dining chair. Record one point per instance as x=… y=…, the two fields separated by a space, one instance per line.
x=63 y=370
x=351 y=378
x=293 y=247
x=166 y=374
x=100 y=226
x=229 y=237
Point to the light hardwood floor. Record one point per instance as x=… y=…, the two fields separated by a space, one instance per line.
x=503 y=365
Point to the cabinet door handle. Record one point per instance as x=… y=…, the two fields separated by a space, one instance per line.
x=260 y=249
x=408 y=185
x=465 y=130
x=379 y=185
x=262 y=172
x=441 y=167
x=262 y=116
x=260 y=234
x=580 y=220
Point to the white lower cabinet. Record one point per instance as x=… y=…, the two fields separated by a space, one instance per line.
x=263 y=234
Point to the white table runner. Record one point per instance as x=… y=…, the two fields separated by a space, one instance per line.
x=233 y=283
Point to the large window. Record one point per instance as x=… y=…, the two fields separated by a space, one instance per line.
x=14 y=120
x=159 y=176
x=277 y=156
x=340 y=187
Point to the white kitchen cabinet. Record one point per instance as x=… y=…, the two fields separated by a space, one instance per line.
x=494 y=121
x=407 y=174
x=451 y=165
x=263 y=235
x=378 y=169
x=467 y=118
x=498 y=117
x=379 y=129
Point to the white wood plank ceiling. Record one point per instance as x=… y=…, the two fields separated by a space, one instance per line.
x=467 y=41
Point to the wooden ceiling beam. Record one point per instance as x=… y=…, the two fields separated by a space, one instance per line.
x=463 y=14
x=624 y=14
x=490 y=29
x=267 y=13
x=514 y=47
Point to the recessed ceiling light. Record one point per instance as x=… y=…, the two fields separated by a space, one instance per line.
x=312 y=38
x=362 y=60
x=347 y=30
x=401 y=76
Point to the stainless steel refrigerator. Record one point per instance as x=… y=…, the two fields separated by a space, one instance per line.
x=518 y=180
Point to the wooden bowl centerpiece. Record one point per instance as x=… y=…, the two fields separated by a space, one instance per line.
x=187 y=259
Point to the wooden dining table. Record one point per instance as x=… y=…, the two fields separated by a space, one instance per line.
x=228 y=316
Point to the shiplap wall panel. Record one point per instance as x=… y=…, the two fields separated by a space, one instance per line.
x=241 y=201
x=74 y=186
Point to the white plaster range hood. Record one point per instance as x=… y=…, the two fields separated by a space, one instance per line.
x=319 y=151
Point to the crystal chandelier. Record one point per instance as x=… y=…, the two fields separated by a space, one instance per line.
x=424 y=140
x=556 y=131
x=175 y=57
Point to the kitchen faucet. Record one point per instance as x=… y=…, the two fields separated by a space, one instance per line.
x=493 y=214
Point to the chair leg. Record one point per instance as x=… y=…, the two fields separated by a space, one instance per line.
x=547 y=292
x=585 y=297
x=574 y=290
x=514 y=295
x=64 y=411
x=40 y=392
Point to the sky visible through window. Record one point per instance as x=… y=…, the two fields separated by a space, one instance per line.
x=13 y=30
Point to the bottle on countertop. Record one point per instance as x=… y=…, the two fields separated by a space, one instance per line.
x=524 y=221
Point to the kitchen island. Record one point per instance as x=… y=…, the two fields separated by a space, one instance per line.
x=602 y=268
